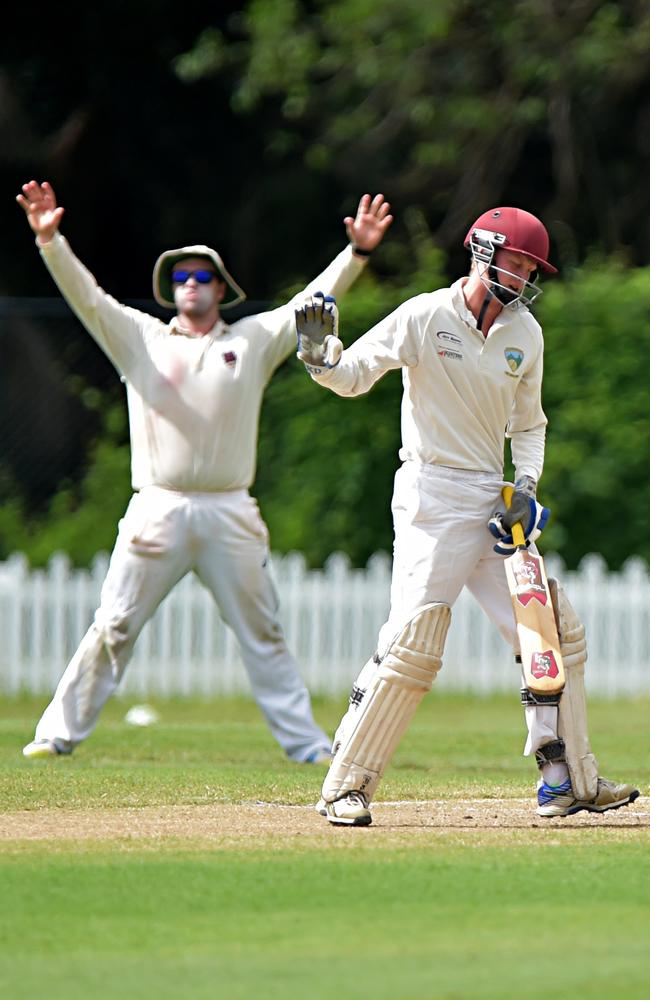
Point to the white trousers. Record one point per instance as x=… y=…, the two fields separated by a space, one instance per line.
x=442 y=544
x=162 y=536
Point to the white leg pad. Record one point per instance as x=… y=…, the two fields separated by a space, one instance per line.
x=572 y=710
x=395 y=688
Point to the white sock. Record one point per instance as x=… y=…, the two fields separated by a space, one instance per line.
x=555 y=773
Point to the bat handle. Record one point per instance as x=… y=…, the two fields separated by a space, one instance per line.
x=517 y=530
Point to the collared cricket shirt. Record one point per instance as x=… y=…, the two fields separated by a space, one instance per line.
x=463 y=392
x=194 y=402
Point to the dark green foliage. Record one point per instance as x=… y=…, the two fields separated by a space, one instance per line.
x=596 y=396
x=81 y=519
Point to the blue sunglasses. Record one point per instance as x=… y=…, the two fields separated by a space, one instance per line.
x=203 y=277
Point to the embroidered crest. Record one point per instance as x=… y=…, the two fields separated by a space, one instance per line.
x=514 y=357
x=230 y=358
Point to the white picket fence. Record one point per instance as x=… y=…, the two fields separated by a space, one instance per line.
x=331 y=618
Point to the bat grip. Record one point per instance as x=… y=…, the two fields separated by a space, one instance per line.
x=517 y=530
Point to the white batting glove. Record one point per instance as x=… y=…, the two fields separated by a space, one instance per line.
x=317 y=325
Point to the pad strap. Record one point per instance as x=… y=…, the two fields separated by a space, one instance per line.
x=529 y=698
x=551 y=753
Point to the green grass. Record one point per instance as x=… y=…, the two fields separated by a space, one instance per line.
x=347 y=913
x=388 y=924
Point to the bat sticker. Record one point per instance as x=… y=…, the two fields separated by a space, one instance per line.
x=544 y=664
x=529 y=581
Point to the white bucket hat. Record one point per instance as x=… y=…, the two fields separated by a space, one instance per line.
x=162 y=275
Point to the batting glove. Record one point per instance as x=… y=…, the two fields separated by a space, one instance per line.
x=524 y=509
x=317 y=329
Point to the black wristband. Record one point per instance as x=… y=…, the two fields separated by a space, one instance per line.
x=359 y=252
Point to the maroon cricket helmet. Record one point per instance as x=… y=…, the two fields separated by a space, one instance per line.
x=511 y=229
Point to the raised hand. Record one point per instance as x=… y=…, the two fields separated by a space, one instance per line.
x=39 y=203
x=366 y=230
x=317 y=328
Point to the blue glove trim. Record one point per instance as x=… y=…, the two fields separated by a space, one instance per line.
x=492 y=528
x=537 y=521
x=543 y=519
x=504 y=549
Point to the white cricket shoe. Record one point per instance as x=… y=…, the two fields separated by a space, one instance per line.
x=350 y=810
x=47 y=748
x=560 y=800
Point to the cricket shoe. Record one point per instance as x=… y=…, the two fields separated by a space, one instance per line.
x=350 y=810
x=47 y=748
x=559 y=800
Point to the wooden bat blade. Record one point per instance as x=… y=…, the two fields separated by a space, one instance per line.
x=536 y=626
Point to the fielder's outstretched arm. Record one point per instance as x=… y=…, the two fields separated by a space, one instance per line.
x=43 y=213
x=118 y=330
x=365 y=232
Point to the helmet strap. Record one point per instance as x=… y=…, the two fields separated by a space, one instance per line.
x=489 y=295
x=504 y=295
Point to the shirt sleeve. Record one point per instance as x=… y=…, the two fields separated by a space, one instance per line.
x=392 y=343
x=278 y=326
x=527 y=425
x=118 y=329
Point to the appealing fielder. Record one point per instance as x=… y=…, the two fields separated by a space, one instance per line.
x=471 y=359
x=194 y=389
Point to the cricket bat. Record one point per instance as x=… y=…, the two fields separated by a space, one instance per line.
x=534 y=616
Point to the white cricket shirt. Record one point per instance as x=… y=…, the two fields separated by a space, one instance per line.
x=194 y=402
x=463 y=392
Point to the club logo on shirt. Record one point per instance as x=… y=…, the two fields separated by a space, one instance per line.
x=514 y=356
x=230 y=358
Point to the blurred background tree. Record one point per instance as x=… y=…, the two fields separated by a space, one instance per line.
x=254 y=128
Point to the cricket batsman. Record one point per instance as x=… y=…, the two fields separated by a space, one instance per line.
x=471 y=358
x=194 y=390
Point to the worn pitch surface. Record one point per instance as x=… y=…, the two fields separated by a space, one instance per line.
x=261 y=824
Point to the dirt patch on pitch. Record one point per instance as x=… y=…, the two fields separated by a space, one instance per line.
x=266 y=825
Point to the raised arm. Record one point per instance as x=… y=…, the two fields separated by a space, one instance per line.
x=394 y=342
x=368 y=227
x=365 y=231
x=118 y=329
x=43 y=215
